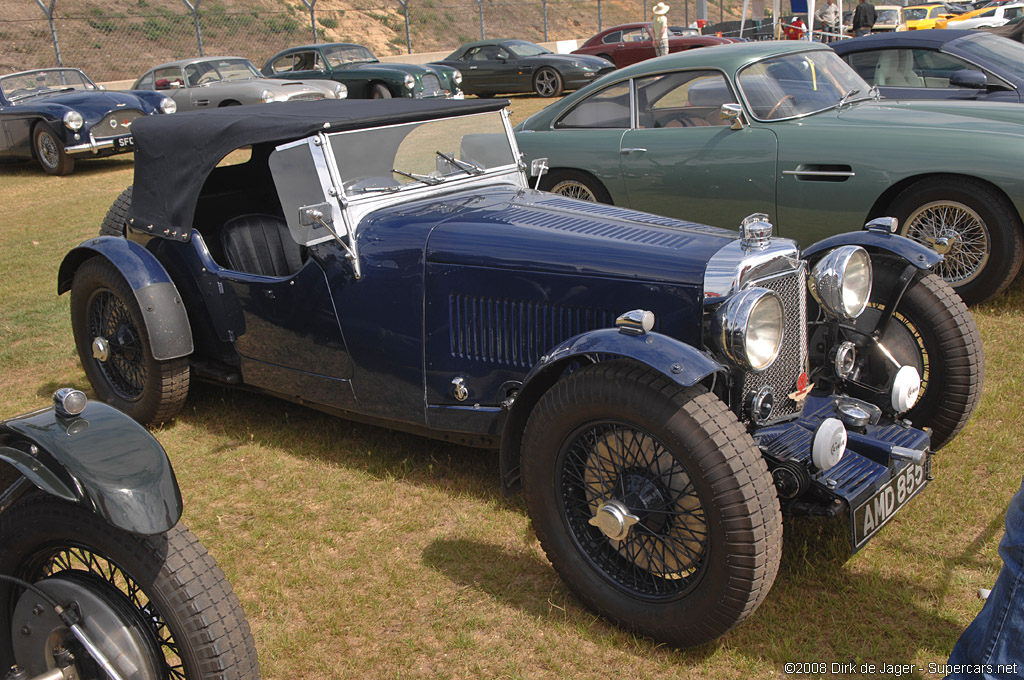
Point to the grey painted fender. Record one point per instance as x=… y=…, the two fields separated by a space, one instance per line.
x=677 y=361
x=101 y=459
x=170 y=334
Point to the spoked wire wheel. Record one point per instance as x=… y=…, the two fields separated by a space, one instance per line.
x=633 y=509
x=117 y=338
x=955 y=231
x=158 y=606
x=92 y=570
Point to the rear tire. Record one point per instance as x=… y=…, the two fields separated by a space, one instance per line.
x=115 y=222
x=128 y=378
x=575 y=184
x=700 y=540
x=975 y=227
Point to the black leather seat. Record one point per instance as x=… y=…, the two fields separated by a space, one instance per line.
x=260 y=244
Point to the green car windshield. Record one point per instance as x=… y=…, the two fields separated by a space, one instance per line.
x=393 y=158
x=798 y=84
x=18 y=86
x=337 y=55
x=521 y=48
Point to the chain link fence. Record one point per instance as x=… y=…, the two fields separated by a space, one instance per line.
x=119 y=42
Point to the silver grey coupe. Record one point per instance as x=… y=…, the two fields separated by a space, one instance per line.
x=211 y=82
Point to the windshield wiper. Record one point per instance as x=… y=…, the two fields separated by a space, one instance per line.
x=846 y=97
x=471 y=168
x=426 y=179
x=373 y=190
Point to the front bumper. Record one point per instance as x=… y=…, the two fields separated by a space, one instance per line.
x=108 y=145
x=872 y=479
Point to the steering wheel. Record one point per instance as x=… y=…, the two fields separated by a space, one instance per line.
x=779 y=103
x=207 y=78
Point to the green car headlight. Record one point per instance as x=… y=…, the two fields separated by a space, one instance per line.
x=748 y=327
x=457 y=77
x=841 y=282
x=410 y=82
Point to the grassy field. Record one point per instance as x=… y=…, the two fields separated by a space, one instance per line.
x=363 y=553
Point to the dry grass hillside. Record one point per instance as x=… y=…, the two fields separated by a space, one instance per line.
x=115 y=39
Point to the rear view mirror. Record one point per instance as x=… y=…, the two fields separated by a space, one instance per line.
x=969 y=78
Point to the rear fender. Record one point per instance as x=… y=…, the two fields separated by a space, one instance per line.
x=170 y=335
x=677 y=361
x=101 y=459
x=917 y=254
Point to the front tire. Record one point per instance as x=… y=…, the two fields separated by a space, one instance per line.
x=167 y=587
x=575 y=184
x=115 y=222
x=973 y=226
x=380 y=91
x=933 y=331
x=652 y=503
x=49 y=151
x=113 y=346
x=547 y=82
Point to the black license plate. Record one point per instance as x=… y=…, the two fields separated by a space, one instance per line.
x=125 y=142
x=872 y=514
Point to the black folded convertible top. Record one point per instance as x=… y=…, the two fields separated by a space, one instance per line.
x=175 y=153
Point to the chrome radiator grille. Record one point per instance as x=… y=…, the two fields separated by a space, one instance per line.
x=116 y=123
x=431 y=85
x=782 y=375
x=306 y=97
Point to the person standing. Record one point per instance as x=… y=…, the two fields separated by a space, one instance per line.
x=659 y=27
x=828 y=15
x=863 y=18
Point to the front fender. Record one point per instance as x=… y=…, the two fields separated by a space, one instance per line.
x=676 y=360
x=917 y=254
x=170 y=334
x=101 y=459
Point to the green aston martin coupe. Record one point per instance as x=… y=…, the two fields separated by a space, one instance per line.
x=790 y=129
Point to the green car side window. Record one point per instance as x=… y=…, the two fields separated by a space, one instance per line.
x=609 y=108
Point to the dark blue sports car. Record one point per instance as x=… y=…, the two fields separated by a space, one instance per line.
x=55 y=115
x=656 y=387
x=938 y=64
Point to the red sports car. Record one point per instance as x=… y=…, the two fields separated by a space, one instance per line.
x=629 y=43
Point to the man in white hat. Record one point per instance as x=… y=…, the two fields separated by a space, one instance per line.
x=659 y=27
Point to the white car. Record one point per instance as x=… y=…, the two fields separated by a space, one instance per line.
x=992 y=16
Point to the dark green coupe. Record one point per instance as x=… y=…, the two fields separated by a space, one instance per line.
x=789 y=129
x=363 y=74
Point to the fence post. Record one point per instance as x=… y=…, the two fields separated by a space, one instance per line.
x=408 y=36
x=194 y=8
x=545 y=4
x=599 y=16
x=480 y=9
x=311 y=6
x=53 y=28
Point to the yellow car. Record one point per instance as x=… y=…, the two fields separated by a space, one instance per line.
x=919 y=17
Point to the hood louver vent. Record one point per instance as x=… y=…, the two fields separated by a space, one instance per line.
x=515 y=332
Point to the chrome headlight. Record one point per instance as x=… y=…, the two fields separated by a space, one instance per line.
x=168 y=105
x=410 y=82
x=457 y=77
x=841 y=282
x=747 y=328
x=340 y=91
x=73 y=120
x=68 y=401
x=266 y=96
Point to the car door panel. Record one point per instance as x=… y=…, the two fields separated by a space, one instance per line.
x=705 y=165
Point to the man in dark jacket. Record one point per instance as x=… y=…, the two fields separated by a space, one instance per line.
x=863 y=18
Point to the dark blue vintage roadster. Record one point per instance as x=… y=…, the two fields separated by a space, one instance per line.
x=661 y=390
x=56 y=115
